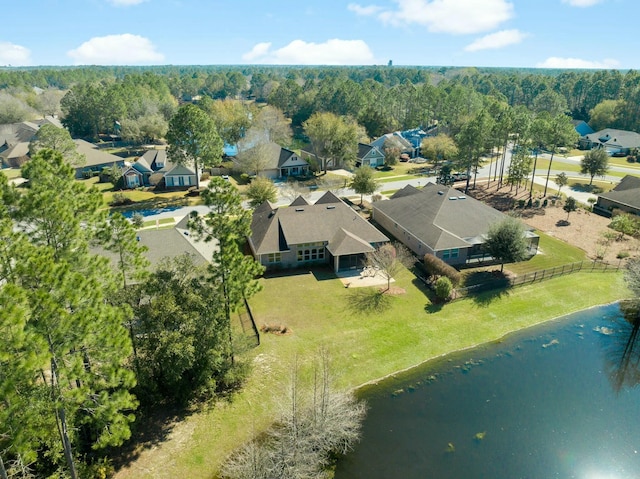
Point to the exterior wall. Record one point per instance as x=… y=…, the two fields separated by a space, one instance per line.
x=289 y=259
x=173 y=181
x=453 y=256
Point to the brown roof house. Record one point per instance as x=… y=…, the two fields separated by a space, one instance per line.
x=303 y=234
x=625 y=197
x=441 y=221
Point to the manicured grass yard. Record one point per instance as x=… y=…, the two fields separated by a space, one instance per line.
x=364 y=343
x=11 y=173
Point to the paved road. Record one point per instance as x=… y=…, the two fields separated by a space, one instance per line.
x=484 y=173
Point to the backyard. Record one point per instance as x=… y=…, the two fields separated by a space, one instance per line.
x=369 y=336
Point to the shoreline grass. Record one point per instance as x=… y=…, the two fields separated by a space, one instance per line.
x=365 y=347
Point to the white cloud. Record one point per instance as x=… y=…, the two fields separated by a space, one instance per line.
x=364 y=11
x=299 y=52
x=582 y=3
x=14 y=55
x=496 y=40
x=449 y=16
x=125 y=3
x=125 y=49
x=259 y=50
x=557 y=62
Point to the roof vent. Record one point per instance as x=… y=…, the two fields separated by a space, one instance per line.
x=441 y=192
x=331 y=207
x=462 y=197
x=453 y=198
x=299 y=209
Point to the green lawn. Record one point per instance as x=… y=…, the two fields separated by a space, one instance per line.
x=11 y=173
x=365 y=344
x=161 y=222
x=543 y=164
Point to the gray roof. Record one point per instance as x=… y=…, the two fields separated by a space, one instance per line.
x=14 y=133
x=345 y=231
x=154 y=158
x=169 y=243
x=276 y=156
x=441 y=217
x=612 y=138
x=299 y=201
x=94 y=156
x=627 y=192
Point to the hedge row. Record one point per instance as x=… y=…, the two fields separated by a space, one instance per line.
x=436 y=267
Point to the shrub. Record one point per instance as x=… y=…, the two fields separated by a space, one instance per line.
x=631 y=159
x=443 y=288
x=521 y=203
x=137 y=220
x=120 y=199
x=436 y=267
x=205 y=176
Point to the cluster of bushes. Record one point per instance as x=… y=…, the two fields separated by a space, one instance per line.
x=436 y=267
x=120 y=199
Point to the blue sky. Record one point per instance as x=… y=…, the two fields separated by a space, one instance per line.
x=493 y=33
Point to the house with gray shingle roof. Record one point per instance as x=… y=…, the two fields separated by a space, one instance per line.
x=95 y=159
x=441 y=221
x=280 y=162
x=141 y=173
x=168 y=243
x=301 y=235
x=625 y=197
x=369 y=155
x=15 y=138
x=616 y=142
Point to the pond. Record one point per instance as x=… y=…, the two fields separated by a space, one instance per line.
x=555 y=401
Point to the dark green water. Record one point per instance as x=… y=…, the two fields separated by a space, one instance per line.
x=556 y=401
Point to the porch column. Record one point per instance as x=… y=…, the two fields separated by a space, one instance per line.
x=336 y=263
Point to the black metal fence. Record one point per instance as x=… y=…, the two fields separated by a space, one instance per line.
x=541 y=275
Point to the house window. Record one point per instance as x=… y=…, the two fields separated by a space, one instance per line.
x=311 y=251
x=450 y=253
x=274 y=257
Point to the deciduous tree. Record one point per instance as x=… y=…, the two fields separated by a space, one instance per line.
x=561 y=180
x=260 y=190
x=506 y=241
x=334 y=139
x=56 y=139
x=363 y=182
x=570 y=205
x=595 y=162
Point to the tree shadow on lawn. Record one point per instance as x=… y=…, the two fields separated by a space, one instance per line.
x=151 y=428
x=368 y=300
x=487 y=286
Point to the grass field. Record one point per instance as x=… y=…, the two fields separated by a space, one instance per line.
x=368 y=337
x=11 y=173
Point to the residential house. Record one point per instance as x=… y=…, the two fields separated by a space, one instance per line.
x=95 y=159
x=395 y=140
x=301 y=235
x=369 y=155
x=143 y=171
x=280 y=162
x=616 y=142
x=169 y=243
x=15 y=139
x=440 y=221
x=180 y=176
x=624 y=197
